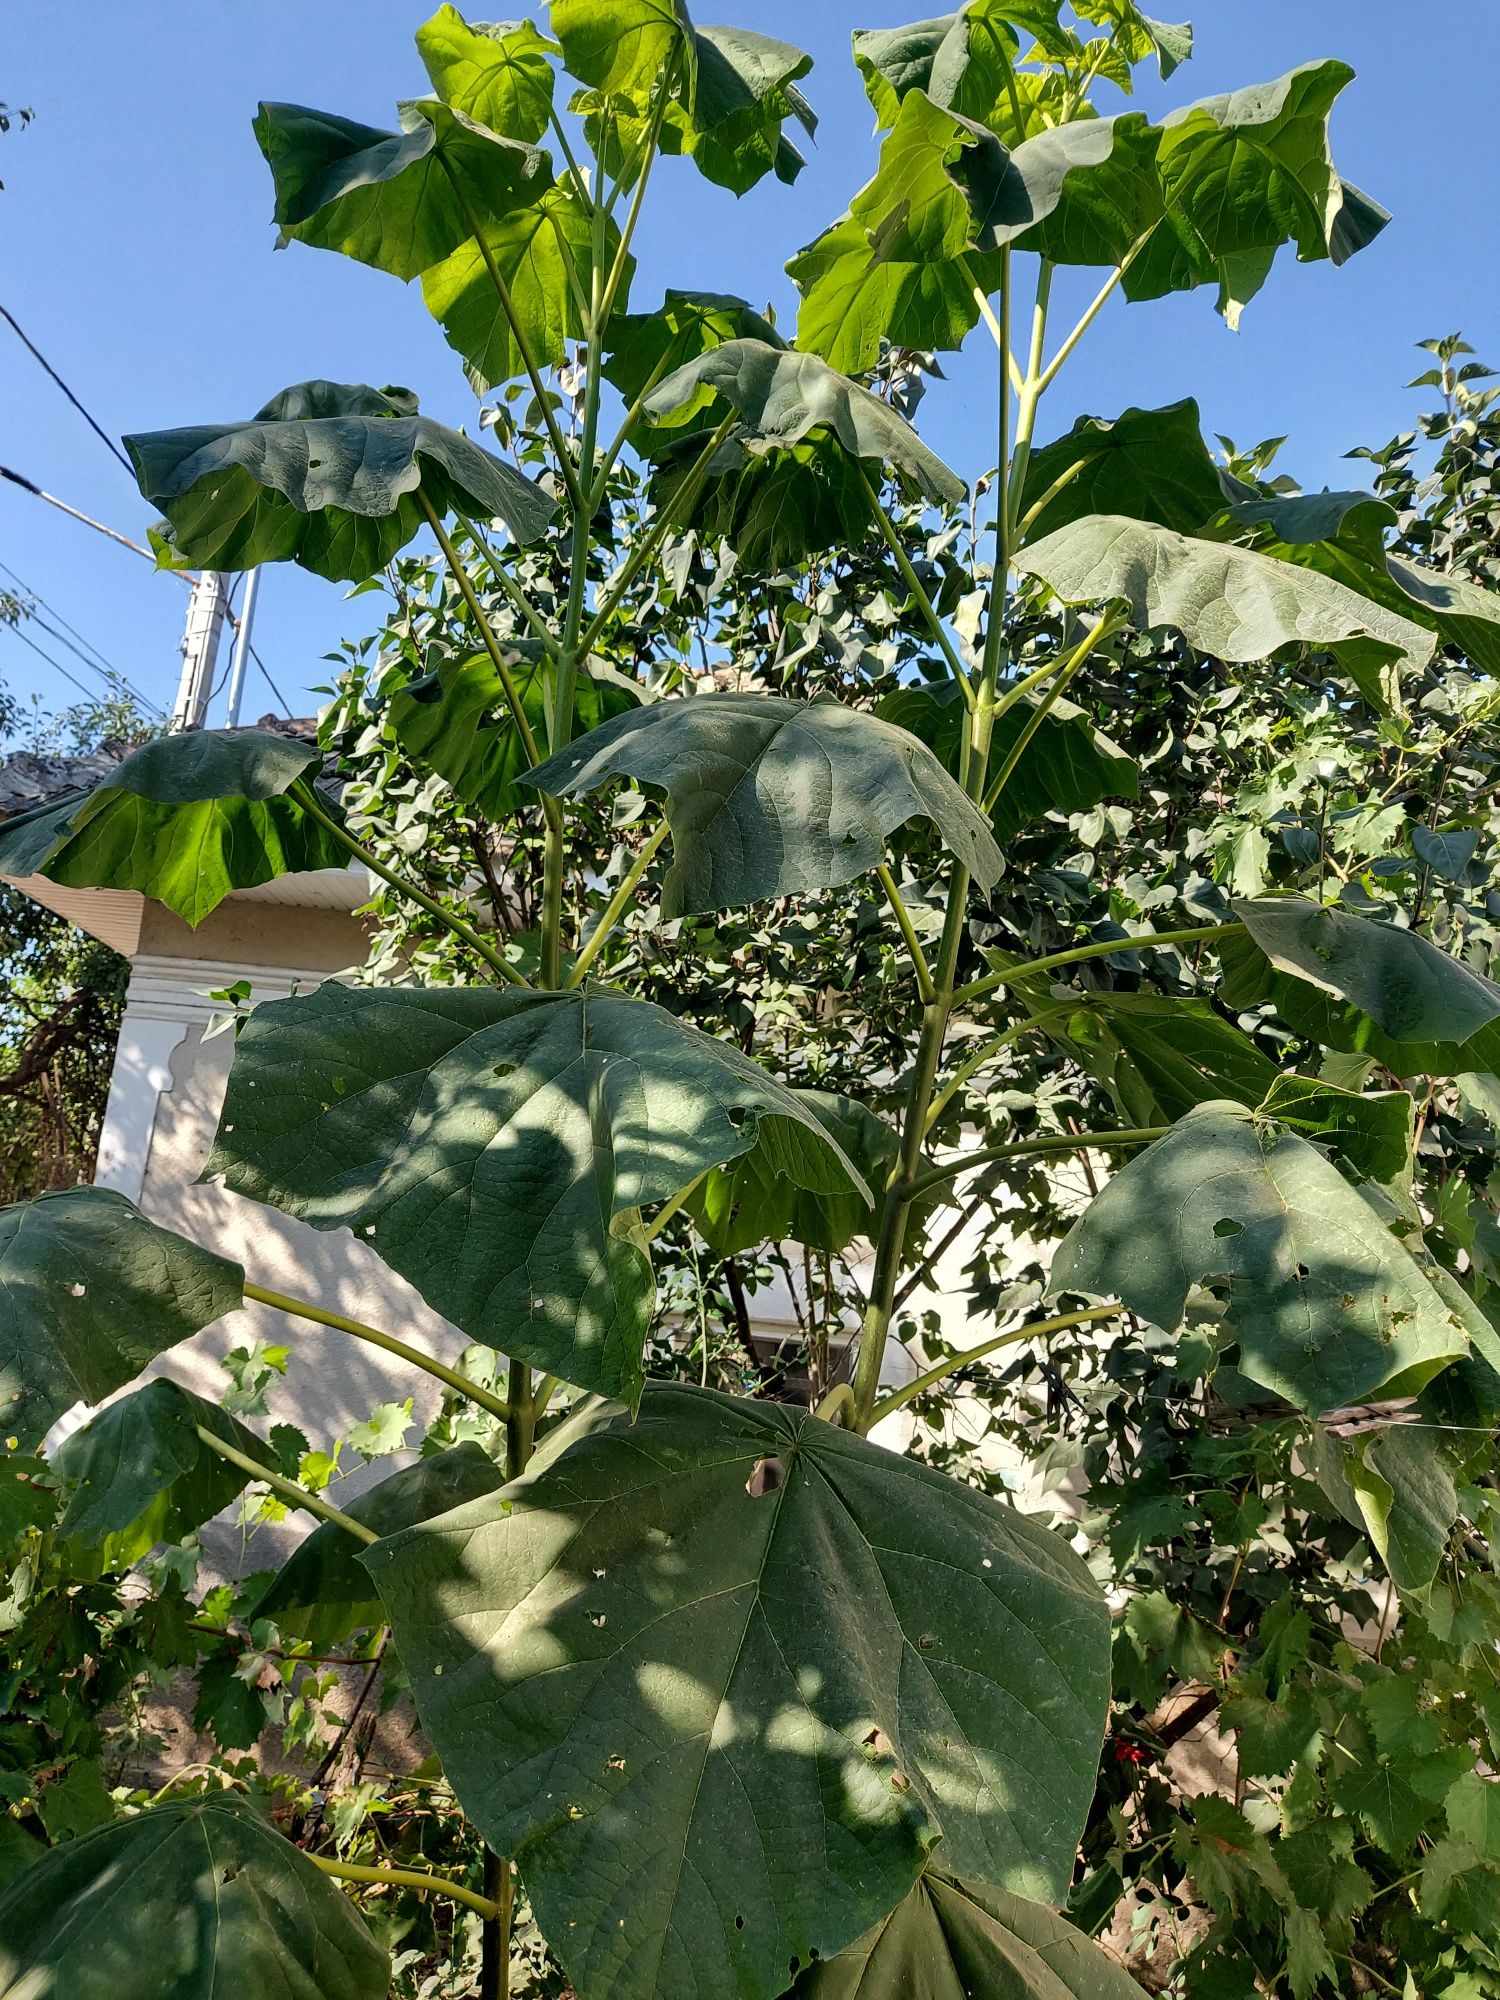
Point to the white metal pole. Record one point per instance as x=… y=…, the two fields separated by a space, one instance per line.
x=241 y=661
x=200 y=649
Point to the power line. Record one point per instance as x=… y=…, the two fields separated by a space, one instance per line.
x=31 y=347
x=56 y=665
x=104 y=667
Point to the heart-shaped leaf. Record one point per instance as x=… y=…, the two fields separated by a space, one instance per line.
x=1463 y=614
x=902 y=265
x=90 y=1291
x=401 y=201
x=327 y=475
x=322 y=1592
x=768 y=797
x=1231 y=603
x=790 y=1186
x=951 y=1940
x=200 y=1896
x=495 y=1147
x=1398 y=997
x=1373 y=1130
x=1149 y=465
x=140 y=1471
x=456 y=721
x=1207 y=196
x=1326 y=1304
x=532 y=248
x=498 y=72
x=720 y=1732
x=1159 y=1054
x=731 y=89
x=186 y=819
x=644 y=348
x=1359 y=519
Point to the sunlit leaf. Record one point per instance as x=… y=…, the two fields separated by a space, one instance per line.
x=644 y=348
x=199 y=1896
x=401 y=201
x=141 y=1473
x=326 y=475
x=1326 y=1304
x=186 y=819
x=90 y=1291
x=1231 y=603
x=1148 y=465
x=494 y=1146
x=773 y=1705
x=1372 y=1130
x=768 y=797
x=497 y=72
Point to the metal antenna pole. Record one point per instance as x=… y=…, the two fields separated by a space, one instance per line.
x=200 y=649
x=239 y=665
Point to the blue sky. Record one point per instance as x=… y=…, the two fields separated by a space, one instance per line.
x=136 y=249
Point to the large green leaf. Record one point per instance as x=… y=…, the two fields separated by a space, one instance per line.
x=533 y=249
x=497 y=72
x=1231 y=603
x=1149 y=465
x=1373 y=1130
x=644 y=348
x=141 y=1472
x=1207 y=196
x=1326 y=1304
x=322 y=1592
x=903 y=263
x=1394 y=995
x=951 y=1940
x=782 y=397
x=187 y=1900
x=1359 y=519
x=768 y=797
x=90 y=1291
x=495 y=1146
x=327 y=475
x=401 y=201
x=731 y=89
x=1463 y=614
x=762 y=1197
x=720 y=1732
x=1160 y=1054
x=186 y=819
x=1067 y=766
x=456 y=721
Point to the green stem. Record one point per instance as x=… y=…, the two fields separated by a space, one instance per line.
x=407 y=1878
x=616 y=906
x=499 y=1886
x=670 y=517
x=638 y=194
x=837 y=1403
x=913 y=583
x=1044 y=500
x=1019 y=1149
x=919 y=1384
x=520 y=336
x=1032 y=389
x=609 y=458
x=487 y=631
x=986 y=1054
x=322 y=1316
x=918 y=957
x=1000 y=337
x=313 y=806
x=668 y=1209
x=287 y=1489
x=994 y=624
x=512 y=589
x=1110 y=948
x=1101 y=630
x=520 y=1428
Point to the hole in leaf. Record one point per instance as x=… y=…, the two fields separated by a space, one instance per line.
x=766 y=1476
x=1302 y=1273
x=1227 y=1226
x=926 y=1642
x=78 y=1290
x=736 y=1115
x=739 y=1921
x=597 y=1617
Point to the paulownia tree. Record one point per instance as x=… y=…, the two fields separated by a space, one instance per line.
x=748 y=1702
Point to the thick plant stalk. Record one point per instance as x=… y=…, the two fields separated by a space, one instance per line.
x=1079 y=954
x=616 y=906
x=487 y=633
x=930 y=1377
x=459 y=1383
x=406 y=1878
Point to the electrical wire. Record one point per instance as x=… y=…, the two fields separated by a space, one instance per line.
x=99 y=664
x=98 y=429
x=56 y=665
